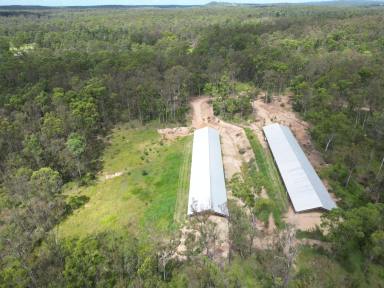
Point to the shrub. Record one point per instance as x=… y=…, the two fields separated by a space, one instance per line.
x=144 y=173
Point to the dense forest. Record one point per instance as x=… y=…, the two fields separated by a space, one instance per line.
x=68 y=76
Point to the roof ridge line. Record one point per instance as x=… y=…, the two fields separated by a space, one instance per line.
x=298 y=160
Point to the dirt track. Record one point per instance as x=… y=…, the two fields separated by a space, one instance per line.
x=235 y=145
x=280 y=111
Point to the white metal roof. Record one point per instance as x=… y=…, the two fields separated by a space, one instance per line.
x=207 y=185
x=301 y=181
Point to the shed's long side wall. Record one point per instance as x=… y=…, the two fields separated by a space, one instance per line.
x=218 y=191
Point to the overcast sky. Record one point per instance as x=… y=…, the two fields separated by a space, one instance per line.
x=132 y=2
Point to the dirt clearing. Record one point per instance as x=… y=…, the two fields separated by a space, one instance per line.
x=173 y=133
x=234 y=143
x=280 y=111
x=303 y=221
x=114 y=175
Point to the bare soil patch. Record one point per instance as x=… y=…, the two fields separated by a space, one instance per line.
x=173 y=133
x=218 y=250
x=113 y=175
x=303 y=221
x=221 y=249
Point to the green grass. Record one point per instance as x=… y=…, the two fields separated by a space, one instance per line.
x=144 y=196
x=183 y=185
x=269 y=176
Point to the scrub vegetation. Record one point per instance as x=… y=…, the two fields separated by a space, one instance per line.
x=260 y=175
x=232 y=99
x=88 y=190
x=269 y=176
x=257 y=176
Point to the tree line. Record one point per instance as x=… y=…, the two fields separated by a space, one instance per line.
x=67 y=76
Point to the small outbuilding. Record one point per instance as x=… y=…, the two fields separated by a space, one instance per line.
x=304 y=186
x=207 y=192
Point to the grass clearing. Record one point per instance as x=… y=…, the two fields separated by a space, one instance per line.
x=269 y=177
x=143 y=196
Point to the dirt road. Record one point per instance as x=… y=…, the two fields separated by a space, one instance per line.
x=234 y=143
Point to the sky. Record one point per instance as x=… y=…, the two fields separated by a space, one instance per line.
x=133 y=2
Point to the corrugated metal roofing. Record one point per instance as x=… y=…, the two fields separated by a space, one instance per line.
x=304 y=186
x=207 y=185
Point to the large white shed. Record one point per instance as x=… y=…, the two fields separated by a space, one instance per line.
x=305 y=188
x=207 y=191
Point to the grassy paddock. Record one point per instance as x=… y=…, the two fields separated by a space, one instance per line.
x=143 y=196
x=269 y=176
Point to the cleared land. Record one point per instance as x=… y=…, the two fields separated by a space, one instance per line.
x=143 y=188
x=145 y=178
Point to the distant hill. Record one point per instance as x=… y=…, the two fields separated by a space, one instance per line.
x=309 y=3
x=210 y=4
x=347 y=3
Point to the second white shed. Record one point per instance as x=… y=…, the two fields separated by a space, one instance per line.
x=305 y=188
